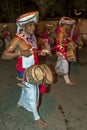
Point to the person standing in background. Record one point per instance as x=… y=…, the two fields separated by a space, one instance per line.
x=62 y=42
x=76 y=36
x=6 y=34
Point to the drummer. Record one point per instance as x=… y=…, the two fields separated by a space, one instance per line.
x=62 y=42
x=24 y=46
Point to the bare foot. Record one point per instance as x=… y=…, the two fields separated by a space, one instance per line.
x=18 y=106
x=19 y=78
x=70 y=84
x=41 y=123
x=21 y=85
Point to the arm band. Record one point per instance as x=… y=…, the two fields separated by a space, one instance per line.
x=11 y=47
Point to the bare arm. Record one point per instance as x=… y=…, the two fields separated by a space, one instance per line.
x=17 y=47
x=10 y=52
x=60 y=37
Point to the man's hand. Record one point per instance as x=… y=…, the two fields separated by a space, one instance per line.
x=34 y=50
x=44 y=52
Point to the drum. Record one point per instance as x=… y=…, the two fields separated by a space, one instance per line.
x=38 y=74
x=48 y=76
x=34 y=75
x=71 y=55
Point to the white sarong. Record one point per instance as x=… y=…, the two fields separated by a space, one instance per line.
x=30 y=94
x=62 y=66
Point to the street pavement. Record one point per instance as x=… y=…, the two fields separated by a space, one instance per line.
x=63 y=107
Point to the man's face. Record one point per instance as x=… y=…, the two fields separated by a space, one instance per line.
x=30 y=28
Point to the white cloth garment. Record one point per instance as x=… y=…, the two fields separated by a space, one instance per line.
x=27 y=61
x=30 y=95
x=29 y=99
x=62 y=65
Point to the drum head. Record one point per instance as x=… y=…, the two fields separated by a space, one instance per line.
x=37 y=73
x=48 y=74
x=71 y=55
x=34 y=75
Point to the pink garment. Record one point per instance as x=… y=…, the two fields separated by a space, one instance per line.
x=45 y=36
x=6 y=34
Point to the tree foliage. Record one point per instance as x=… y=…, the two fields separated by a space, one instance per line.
x=11 y=9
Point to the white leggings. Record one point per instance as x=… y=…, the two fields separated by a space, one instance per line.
x=62 y=66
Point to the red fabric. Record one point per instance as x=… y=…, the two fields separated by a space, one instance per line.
x=19 y=68
x=19 y=64
x=43 y=86
x=43 y=89
x=35 y=58
x=60 y=49
x=6 y=34
x=59 y=29
x=75 y=37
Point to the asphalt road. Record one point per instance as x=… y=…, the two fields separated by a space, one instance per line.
x=63 y=107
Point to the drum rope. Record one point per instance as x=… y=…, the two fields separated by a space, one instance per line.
x=38 y=51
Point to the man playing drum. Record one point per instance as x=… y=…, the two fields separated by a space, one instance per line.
x=62 y=42
x=23 y=46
